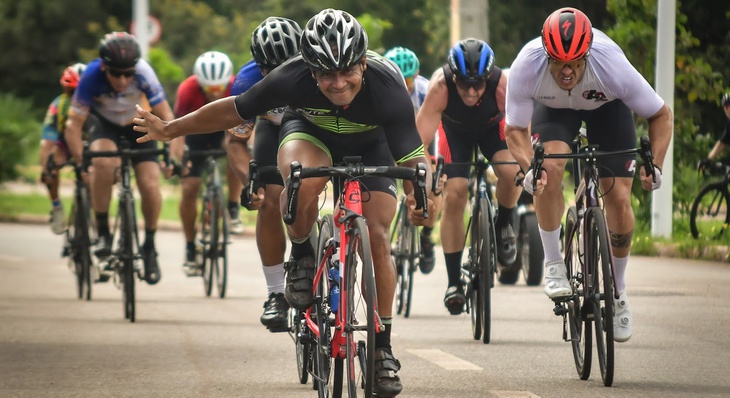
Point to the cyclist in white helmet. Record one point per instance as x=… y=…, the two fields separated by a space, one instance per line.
x=212 y=79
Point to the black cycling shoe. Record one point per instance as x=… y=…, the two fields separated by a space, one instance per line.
x=151 y=268
x=506 y=246
x=427 y=260
x=103 y=246
x=299 y=279
x=387 y=382
x=276 y=311
x=454 y=299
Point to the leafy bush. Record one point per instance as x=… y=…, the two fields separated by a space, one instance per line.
x=19 y=133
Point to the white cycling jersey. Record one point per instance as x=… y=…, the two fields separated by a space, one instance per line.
x=608 y=76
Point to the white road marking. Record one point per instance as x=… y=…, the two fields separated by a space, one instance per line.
x=513 y=394
x=444 y=360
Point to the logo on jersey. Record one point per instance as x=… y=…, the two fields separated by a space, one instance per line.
x=313 y=112
x=276 y=111
x=594 y=95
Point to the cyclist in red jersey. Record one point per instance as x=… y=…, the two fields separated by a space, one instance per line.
x=52 y=142
x=211 y=80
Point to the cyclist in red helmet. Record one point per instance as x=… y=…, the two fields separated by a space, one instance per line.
x=52 y=142
x=575 y=74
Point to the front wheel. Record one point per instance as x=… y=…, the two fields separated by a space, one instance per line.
x=579 y=309
x=710 y=215
x=127 y=231
x=221 y=262
x=486 y=264
x=599 y=260
x=209 y=239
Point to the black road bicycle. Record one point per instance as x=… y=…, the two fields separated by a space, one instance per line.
x=126 y=258
x=710 y=216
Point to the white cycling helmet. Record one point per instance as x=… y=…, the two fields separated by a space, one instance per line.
x=213 y=68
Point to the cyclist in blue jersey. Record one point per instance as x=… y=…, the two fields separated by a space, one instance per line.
x=109 y=89
x=273 y=42
x=342 y=101
x=417 y=86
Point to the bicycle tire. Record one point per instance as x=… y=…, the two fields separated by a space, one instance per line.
x=126 y=230
x=72 y=242
x=221 y=260
x=301 y=348
x=710 y=215
x=531 y=252
x=412 y=266
x=321 y=347
x=84 y=243
x=403 y=258
x=207 y=237
x=360 y=291
x=598 y=248
x=486 y=266
x=581 y=337
x=474 y=304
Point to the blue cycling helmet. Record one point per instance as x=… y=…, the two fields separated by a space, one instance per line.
x=471 y=60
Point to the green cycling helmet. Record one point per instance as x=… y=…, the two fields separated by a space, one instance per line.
x=406 y=60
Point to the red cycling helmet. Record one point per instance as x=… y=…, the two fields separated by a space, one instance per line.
x=567 y=35
x=71 y=75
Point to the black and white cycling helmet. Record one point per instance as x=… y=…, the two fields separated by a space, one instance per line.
x=333 y=40
x=726 y=99
x=119 y=50
x=274 y=41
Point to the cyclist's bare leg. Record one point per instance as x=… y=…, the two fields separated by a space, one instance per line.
x=189 y=205
x=234 y=185
x=619 y=214
x=379 y=211
x=147 y=175
x=49 y=147
x=309 y=155
x=270 y=237
x=452 y=220
x=101 y=177
x=507 y=192
x=550 y=206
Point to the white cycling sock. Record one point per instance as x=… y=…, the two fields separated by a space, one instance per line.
x=274 y=275
x=619 y=265
x=551 y=244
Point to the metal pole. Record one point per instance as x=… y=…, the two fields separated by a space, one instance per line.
x=141 y=10
x=665 y=60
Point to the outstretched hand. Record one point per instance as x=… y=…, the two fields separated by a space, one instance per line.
x=148 y=123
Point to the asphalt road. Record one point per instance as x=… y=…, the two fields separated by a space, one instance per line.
x=186 y=345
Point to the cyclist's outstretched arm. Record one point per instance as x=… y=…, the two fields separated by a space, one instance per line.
x=215 y=116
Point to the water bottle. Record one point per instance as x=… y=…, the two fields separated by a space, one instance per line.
x=334 y=277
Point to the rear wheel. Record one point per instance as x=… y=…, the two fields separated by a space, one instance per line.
x=599 y=260
x=579 y=309
x=360 y=304
x=710 y=215
x=530 y=251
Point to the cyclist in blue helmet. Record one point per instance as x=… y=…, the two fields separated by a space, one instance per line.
x=467 y=96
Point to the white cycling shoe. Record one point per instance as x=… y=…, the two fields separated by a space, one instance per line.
x=622 y=319
x=556 y=280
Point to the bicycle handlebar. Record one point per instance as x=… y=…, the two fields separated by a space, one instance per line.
x=437 y=175
x=351 y=170
x=128 y=153
x=255 y=173
x=591 y=153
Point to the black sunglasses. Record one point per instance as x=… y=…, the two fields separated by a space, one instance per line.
x=120 y=73
x=465 y=84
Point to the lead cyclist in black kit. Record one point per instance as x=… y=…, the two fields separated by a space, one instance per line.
x=343 y=100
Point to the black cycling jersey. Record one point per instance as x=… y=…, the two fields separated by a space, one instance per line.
x=725 y=139
x=383 y=105
x=472 y=118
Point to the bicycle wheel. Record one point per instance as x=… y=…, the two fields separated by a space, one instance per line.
x=301 y=345
x=710 y=216
x=72 y=243
x=580 y=328
x=403 y=258
x=126 y=231
x=599 y=260
x=412 y=265
x=360 y=306
x=474 y=303
x=531 y=252
x=486 y=264
x=221 y=260
x=84 y=240
x=208 y=237
x=321 y=344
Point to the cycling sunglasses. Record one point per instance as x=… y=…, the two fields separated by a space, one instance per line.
x=120 y=73
x=466 y=84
